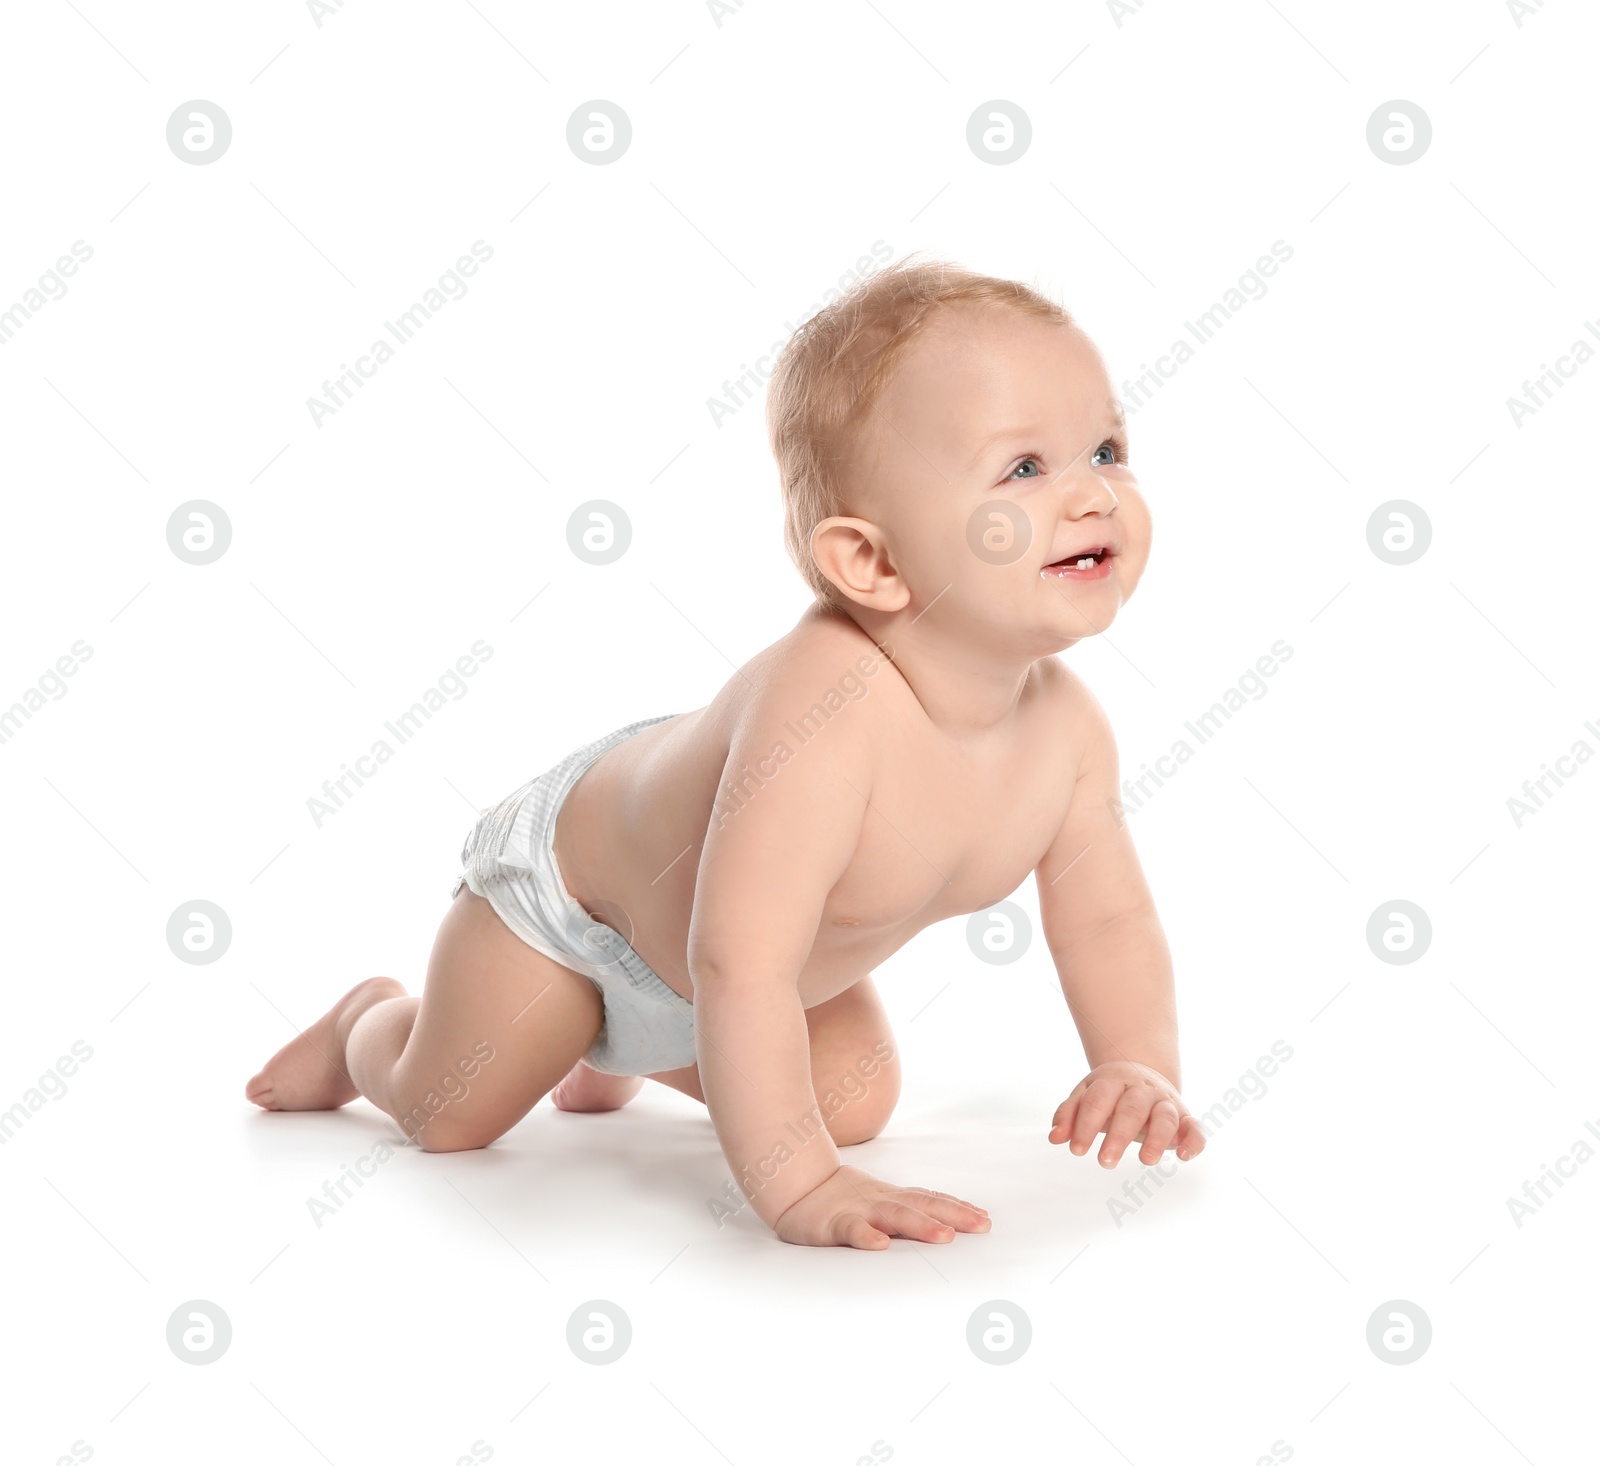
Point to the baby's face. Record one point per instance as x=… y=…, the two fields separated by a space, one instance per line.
x=997 y=467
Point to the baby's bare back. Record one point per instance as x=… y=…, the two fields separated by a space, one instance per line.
x=953 y=822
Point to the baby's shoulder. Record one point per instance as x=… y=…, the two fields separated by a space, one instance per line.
x=826 y=659
x=817 y=675
x=1071 y=710
x=1059 y=687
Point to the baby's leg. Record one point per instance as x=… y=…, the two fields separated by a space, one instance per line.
x=497 y=1026
x=855 y=1063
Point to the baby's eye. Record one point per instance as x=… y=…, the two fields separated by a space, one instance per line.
x=1110 y=448
x=1024 y=464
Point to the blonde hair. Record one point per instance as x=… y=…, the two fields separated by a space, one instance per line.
x=833 y=370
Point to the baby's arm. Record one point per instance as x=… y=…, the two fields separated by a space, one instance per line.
x=764 y=876
x=1101 y=926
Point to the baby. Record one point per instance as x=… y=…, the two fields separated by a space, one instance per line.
x=701 y=899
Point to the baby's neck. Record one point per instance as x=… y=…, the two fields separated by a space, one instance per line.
x=965 y=689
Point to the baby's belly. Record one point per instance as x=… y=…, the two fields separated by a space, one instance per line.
x=654 y=916
x=629 y=838
x=651 y=902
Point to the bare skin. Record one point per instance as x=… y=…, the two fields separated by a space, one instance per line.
x=904 y=757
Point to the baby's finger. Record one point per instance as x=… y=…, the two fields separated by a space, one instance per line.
x=854 y=1230
x=1191 y=1138
x=1160 y=1131
x=1061 y=1122
x=947 y=1209
x=1126 y=1121
x=1094 y=1109
x=959 y=1201
x=908 y=1221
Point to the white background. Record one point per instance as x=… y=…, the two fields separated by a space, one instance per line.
x=1229 y=1312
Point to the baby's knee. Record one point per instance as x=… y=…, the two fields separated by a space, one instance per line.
x=853 y=1127
x=442 y=1132
x=441 y=1139
x=858 y=1110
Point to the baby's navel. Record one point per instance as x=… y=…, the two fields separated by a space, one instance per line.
x=847 y=921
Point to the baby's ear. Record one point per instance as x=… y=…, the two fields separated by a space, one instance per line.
x=854 y=556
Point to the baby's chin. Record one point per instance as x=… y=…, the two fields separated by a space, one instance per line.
x=1065 y=625
x=1086 y=609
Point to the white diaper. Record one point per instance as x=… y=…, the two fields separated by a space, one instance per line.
x=509 y=859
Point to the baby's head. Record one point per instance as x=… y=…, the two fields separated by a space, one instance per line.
x=950 y=440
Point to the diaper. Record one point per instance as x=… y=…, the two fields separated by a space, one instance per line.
x=509 y=859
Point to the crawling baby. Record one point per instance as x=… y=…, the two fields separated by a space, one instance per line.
x=700 y=899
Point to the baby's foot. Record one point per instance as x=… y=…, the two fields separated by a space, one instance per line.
x=588 y=1090
x=308 y=1073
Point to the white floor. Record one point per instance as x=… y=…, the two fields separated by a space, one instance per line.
x=426 y=1311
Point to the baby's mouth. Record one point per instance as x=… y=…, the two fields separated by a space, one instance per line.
x=1092 y=564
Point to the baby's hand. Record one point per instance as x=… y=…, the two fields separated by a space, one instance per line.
x=853 y=1209
x=1128 y=1102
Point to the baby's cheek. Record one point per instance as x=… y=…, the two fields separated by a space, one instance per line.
x=1132 y=504
x=1137 y=530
